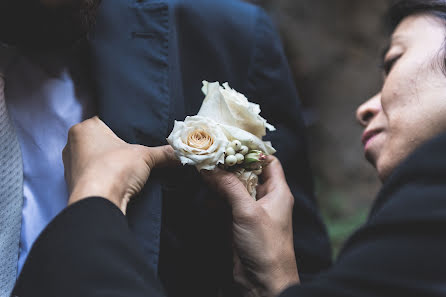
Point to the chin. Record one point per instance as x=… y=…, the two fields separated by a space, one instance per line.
x=385 y=169
x=382 y=175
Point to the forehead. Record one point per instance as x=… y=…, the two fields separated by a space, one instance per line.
x=424 y=29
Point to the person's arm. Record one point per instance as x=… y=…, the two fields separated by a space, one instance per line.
x=262 y=230
x=398 y=252
x=271 y=84
x=89 y=251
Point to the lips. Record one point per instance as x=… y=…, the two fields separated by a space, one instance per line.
x=368 y=135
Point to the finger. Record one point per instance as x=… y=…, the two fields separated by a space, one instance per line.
x=230 y=187
x=275 y=184
x=262 y=191
x=273 y=172
x=161 y=156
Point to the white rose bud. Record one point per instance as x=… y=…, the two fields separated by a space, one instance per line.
x=236 y=144
x=230 y=151
x=250 y=181
x=240 y=158
x=244 y=150
x=231 y=160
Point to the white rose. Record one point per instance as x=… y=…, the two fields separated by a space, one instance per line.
x=248 y=139
x=199 y=141
x=227 y=106
x=250 y=180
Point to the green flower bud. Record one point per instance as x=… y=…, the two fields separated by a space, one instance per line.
x=254 y=156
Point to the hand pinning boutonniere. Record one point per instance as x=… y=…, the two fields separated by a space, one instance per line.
x=227 y=132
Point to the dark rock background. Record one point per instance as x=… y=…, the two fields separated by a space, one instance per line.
x=334 y=49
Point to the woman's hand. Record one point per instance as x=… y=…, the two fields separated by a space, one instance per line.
x=98 y=163
x=265 y=263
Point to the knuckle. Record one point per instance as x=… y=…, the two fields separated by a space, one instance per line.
x=90 y=123
x=227 y=180
x=74 y=130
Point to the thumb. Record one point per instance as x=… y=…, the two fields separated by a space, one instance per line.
x=274 y=183
x=161 y=156
x=230 y=187
x=273 y=172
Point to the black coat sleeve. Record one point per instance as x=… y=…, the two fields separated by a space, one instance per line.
x=87 y=251
x=400 y=251
x=271 y=84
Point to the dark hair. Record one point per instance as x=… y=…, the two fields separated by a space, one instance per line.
x=404 y=8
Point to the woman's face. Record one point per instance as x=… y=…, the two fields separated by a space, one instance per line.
x=411 y=107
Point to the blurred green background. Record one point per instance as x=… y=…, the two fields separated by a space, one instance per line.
x=334 y=48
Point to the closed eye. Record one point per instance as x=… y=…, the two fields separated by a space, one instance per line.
x=388 y=64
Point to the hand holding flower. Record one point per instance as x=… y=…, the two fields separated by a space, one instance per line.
x=262 y=230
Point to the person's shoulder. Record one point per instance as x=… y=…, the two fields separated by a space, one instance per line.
x=217 y=8
x=230 y=14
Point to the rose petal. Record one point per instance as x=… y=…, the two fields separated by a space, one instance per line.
x=250 y=180
x=207 y=158
x=248 y=139
x=227 y=106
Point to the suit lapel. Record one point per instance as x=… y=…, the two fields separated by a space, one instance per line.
x=130 y=50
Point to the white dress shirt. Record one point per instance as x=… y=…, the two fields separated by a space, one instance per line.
x=45 y=95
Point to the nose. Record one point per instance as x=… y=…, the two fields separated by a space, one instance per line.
x=368 y=110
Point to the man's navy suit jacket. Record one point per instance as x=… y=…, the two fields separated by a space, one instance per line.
x=149 y=58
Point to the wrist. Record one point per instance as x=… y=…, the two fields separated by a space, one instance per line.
x=281 y=283
x=94 y=187
x=284 y=275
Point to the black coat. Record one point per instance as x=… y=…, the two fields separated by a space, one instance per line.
x=89 y=251
x=401 y=250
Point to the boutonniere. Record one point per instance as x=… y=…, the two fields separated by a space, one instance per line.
x=227 y=132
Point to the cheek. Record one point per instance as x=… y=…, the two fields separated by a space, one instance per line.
x=399 y=91
x=409 y=126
